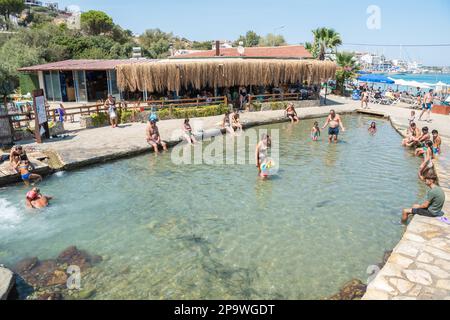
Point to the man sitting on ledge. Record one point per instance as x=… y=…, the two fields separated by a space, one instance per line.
x=432 y=207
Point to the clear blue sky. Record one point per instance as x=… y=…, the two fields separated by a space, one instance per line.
x=402 y=21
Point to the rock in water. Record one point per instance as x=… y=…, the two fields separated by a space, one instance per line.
x=7 y=283
x=80 y=258
x=352 y=290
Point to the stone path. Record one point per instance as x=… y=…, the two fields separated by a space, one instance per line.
x=419 y=267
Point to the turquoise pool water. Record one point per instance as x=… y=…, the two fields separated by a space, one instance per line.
x=219 y=232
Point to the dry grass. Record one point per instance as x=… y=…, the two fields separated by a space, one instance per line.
x=175 y=75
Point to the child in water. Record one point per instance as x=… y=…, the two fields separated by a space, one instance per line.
x=315 y=131
x=373 y=128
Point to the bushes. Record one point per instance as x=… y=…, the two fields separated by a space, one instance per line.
x=278 y=105
x=125 y=116
x=99 y=119
x=191 y=112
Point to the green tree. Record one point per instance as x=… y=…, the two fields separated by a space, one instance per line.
x=156 y=43
x=15 y=54
x=251 y=39
x=204 y=45
x=272 y=40
x=325 y=41
x=347 y=69
x=96 y=22
x=10 y=7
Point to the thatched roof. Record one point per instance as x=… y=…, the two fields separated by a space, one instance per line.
x=175 y=75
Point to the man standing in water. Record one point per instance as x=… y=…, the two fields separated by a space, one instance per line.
x=334 y=122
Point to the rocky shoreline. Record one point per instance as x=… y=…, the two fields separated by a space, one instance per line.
x=48 y=279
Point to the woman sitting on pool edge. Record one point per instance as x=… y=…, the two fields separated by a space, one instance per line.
x=236 y=121
x=227 y=123
x=24 y=167
x=35 y=200
x=188 y=132
x=154 y=138
x=261 y=155
x=291 y=113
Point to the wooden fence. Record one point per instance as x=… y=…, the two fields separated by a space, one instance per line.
x=21 y=120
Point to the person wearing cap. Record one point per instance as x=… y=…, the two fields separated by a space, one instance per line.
x=35 y=200
x=153 y=136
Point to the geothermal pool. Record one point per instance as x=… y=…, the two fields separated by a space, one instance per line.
x=219 y=232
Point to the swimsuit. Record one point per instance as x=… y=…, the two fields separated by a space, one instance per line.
x=333 y=131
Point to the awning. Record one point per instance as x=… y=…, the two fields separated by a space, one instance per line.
x=378 y=78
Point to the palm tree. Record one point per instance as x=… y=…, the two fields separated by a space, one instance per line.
x=348 y=68
x=324 y=40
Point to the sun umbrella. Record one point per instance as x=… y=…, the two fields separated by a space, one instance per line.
x=377 y=78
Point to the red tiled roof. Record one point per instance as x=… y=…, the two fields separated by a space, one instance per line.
x=286 y=52
x=83 y=64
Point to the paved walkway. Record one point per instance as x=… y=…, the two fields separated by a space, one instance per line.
x=419 y=266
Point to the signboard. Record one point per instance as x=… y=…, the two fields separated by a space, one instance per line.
x=40 y=119
x=40 y=108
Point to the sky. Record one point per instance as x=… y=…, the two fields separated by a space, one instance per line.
x=384 y=22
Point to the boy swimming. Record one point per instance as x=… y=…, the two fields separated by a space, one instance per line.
x=315 y=131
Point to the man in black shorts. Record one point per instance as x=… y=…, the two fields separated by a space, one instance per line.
x=432 y=207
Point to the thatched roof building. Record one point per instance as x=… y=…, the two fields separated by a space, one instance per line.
x=158 y=76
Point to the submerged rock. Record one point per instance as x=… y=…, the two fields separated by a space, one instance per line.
x=386 y=256
x=80 y=258
x=7 y=283
x=48 y=278
x=352 y=290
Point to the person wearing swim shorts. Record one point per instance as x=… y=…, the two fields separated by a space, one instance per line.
x=419 y=142
x=427 y=105
x=23 y=167
x=154 y=138
x=436 y=142
x=433 y=204
x=412 y=132
x=333 y=122
x=35 y=200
